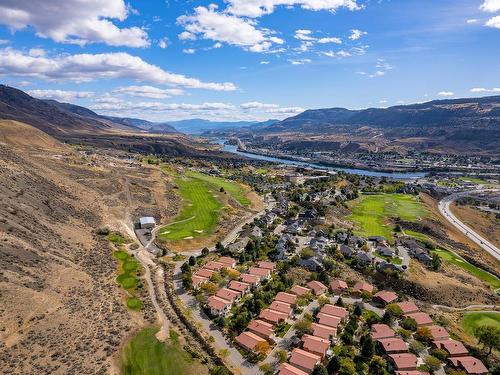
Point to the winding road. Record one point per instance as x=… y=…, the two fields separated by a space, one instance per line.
x=444 y=209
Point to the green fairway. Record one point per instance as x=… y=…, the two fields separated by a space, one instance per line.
x=371 y=212
x=145 y=355
x=202 y=202
x=470 y=268
x=128 y=278
x=232 y=188
x=134 y=303
x=473 y=320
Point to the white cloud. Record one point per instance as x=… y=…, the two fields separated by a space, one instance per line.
x=472 y=20
x=265 y=62
x=258 y=105
x=149 y=92
x=217 y=45
x=207 y=23
x=493 y=22
x=163 y=43
x=378 y=73
x=189 y=51
x=446 y=93
x=74 y=21
x=285 y=110
x=299 y=61
x=60 y=95
x=36 y=52
x=118 y=105
x=491 y=6
x=91 y=67
x=186 y=35
x=258 y=8
x=383 y=101
x=4 y=41
x=339 y=54
x=356 y=34
x=303 y=35
x=330 y=40
x=482 y=89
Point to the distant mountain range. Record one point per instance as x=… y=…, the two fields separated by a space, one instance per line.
x=460 y=125
x=199 y=126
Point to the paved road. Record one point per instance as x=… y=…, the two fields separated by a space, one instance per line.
x=444 y=209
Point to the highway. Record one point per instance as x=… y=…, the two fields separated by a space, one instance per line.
x=444 y=209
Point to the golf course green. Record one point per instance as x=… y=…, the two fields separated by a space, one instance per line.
x=202 y=204
x=145 y=355
x=370 y=212
x=473 y=320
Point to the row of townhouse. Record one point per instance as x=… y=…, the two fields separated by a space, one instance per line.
x=316 y=346
x=405 y=363
x=220 y=304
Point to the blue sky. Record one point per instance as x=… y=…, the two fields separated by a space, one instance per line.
x=248 y=59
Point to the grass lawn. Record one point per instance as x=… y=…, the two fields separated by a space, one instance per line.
x=282 y=329
x=417 y=235
x=371 y=212
x=470 y=268
x=396 y=261
x=473 y=320
x=117 y=238
x=201 y=205
x=127 y=278
x=134 y=303
x=145 y=355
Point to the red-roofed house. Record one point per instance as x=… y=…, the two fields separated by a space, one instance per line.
x=317 y=287
x=403 y=361
x=282 y=307
x=469 y=364
x=218 y=306
x=267 y=265
x=454 y=348
x=439 y=333
x=328 y=320
x=239 y=286
x=272 y=316
x=362 y=287
x=421 y=318
x=411 y=373
x=303 y=360
x=249 y=340
x=326 y=332
x=382 y=331
x=260 y=272
x=408 y=307
x=250 y=279
x=288 y=369
x=392 y=345
x=197 y=281
x=316 y=345
x=300 y=290
x=338 y=287
x=384 y=297
x=214 y=266
x=261 y=328
x=204 y=272
x=228 y=294
x=337 y=311
x=291 y=299
x=227 y=261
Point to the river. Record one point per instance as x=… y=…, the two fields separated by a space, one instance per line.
x=362 y=172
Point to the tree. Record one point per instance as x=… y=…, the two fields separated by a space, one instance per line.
x=281 y=355
x=489 y=337
x=266 y=369
x=433 y=363
x=302 y=326
x=262 y=347
x=358 y=310
x=323 y=300
x=409 y=324
x=367 y=348
x=219 y=370
x=205 y=251
x=378 y=366
x=347 y=367
x=340 y=302
x=423 y=334
x=436 y=262
x=333 y=365
x=440 y=354
x=192 y=260
x=319 y=370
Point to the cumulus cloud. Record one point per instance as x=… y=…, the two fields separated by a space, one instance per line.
x=149 y=92
x=285 y=110
x=485 y=90
x=189 y=51
x=60 y=95
x=74 y=21
x=330 y=40
x=258 y=105
x=210 y=24
x=258 y=8
x=163 y=43
x=89 y=67
x=303 y=34
x=493 y=22
x=472 y=20
x=446 y=93
x=356 y=34
x=491 y=6
x=339 y=54
x=118 y=105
